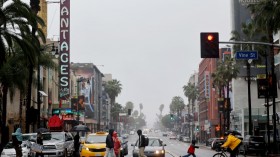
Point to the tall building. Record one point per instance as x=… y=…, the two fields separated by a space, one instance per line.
x=208 y=117
x=89 y=88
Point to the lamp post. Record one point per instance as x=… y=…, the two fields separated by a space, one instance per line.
x=54 y=52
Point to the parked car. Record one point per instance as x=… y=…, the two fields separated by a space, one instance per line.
x=164 y=134
x=94 y=144
x=124 y=147
x=131 y=132
x=180 y=137
x=9 y=150
x=216 y=144
x=155 y=148
x=172 y=136
x=254 y=144
x=209 y=141
x=186 y=139
x=58 y=143
x=125 y=136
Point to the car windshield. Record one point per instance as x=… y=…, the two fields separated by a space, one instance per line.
x=96 y=139
x=153 y=142
x=54 y=136
x=10 y=145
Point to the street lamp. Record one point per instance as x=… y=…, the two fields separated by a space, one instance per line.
x=55 y=53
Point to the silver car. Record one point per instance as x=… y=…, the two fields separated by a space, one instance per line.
x=154 y=149
x=58 y=144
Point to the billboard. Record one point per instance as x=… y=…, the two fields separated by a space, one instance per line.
x=85 y=86
x=64 y=58
x=68 y=114
x=78 y=104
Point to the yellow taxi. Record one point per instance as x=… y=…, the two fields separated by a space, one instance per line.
x=94 y=145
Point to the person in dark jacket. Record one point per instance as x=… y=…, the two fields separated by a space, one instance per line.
x=17 y=141
x=39 y=141
x=77 y=145
x=110 y=144
x=141 y=143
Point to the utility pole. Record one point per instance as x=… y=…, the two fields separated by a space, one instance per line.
x=249 y=97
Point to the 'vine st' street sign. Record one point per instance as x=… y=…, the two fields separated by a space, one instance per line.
x=246 y=55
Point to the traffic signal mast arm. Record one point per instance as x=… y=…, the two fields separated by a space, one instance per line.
x=249 y=42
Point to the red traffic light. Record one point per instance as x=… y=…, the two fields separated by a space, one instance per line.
x=210 y=37
x=209 y=44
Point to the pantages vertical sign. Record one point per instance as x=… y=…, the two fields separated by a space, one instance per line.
x=64 y=58
x=207 y=84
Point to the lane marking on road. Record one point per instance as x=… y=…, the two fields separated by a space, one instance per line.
x=174 y=155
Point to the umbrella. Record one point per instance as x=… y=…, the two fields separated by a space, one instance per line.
x=80 y=128
x=42 y=130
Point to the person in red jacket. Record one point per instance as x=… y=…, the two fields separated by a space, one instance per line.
x=191 y=149
x=117 y=144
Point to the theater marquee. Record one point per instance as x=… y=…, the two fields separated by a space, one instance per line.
x=64 y=59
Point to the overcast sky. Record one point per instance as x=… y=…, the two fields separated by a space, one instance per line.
x=151 y=46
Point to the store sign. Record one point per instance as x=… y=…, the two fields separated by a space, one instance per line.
x=68 y=114
x=207 y=84
x=64 y=58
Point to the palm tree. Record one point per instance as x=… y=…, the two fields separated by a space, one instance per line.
x=267 y=17
x=191 y=92
x=177 y=105
x=141 y=107
x=225 y=72
x=16 y=18
x=250 y=33
x=161 y=107
x=129 y=105
x=113 y=88
x=115 y=110
x=135 y=113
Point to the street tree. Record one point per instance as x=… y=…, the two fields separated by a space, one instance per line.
x=177 y=105
x=113 y=88
x=191 y=92
x=267 y=17
x=161 y=107
x=166 y=121
x=15 y=31
x=135 y=113
x=226 y=71
x=141 y=107
x=129 y=105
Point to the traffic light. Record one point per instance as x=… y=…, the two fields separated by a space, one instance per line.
x=262 y=85
x=221 y=104
x=129 y=112
x=172 y=117
x=217 y=128
x=272 y=90
x=209 y=45
x=197 y=128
